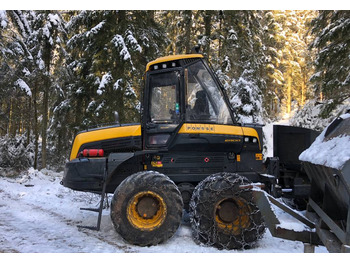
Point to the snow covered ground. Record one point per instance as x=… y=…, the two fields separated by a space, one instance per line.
x=38 y=215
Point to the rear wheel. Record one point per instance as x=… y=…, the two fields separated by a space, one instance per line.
x=146 y=208
x=223 y=215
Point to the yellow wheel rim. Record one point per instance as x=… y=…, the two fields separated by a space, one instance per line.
x=232 y=215
x=146 y=211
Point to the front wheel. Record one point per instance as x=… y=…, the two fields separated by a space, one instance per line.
x=146 y=208
x=223 y=215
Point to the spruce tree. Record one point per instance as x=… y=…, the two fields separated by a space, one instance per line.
x=109 y=51
x=242 y=61
x=332 y=65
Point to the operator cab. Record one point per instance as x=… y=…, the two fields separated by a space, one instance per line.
x=181 y=89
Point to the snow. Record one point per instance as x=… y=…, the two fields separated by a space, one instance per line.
x=54 y=19
x=131 y=39
x=95 y=29
x=26 y=72
x=3 y=19
x=118 y=41
x=106 y=78
x=333 y=153
x=38 y=215
x=116 y=84
x=23 y=85
x=40 y=62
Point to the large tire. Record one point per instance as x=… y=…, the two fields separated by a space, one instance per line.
x=223 y=215
x=146 y=208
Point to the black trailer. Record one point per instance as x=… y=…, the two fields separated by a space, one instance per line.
x=327 y=220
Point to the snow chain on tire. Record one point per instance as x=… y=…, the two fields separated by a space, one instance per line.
x=223 y=215
x=146 y=208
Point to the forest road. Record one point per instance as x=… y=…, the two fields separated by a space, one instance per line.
x=26 y=227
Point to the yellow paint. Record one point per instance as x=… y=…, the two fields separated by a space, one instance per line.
x=211 y=129
x=103 y=134
x=259 y=156
x=140 y=221
x=241 y=221
x=238 y=158
x=219 y=130
x=157 y=164
x=172 y=58
x=232 y=140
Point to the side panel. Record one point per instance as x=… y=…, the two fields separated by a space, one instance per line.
x=84 y=174
x=110 y=139
x=214 y=129
x=122 y=165
x=199 y=150
x=289 y=142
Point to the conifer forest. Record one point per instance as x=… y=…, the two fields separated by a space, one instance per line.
x=65 y=71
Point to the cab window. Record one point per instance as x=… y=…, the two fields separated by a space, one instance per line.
x=164 y=99
x=204 y=99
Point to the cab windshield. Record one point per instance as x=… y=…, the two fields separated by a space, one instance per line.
x=204 y=99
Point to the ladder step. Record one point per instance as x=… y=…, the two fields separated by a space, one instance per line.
x=98 y=210
x=90 y=209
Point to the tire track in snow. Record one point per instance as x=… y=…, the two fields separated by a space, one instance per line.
x=30 y=228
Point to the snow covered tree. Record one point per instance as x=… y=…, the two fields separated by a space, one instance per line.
x=288 y=65
x=272 y=73
x=63 y=71
x=16 y=153
x=295 y=57
x=181 y=32
x=49 y=32
x=332 y=65
x=33 y=49
x=15 y=57
x=242 y=61
x=109 y=51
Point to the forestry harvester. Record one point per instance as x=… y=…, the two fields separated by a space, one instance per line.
x=188 y=153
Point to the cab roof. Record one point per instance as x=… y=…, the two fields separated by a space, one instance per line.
x=172 y=58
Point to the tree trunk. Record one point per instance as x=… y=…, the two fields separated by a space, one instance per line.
x=207 y=31
x=289 y=94
x=10 y=124
x=47 y=83
x=188 y=27
x=303 y=90
x=220 y=33
x=120 y=73
x=36 y=129
x=28 y=119
x=44 y=124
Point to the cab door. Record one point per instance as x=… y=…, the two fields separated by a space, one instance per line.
x=162 y=112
